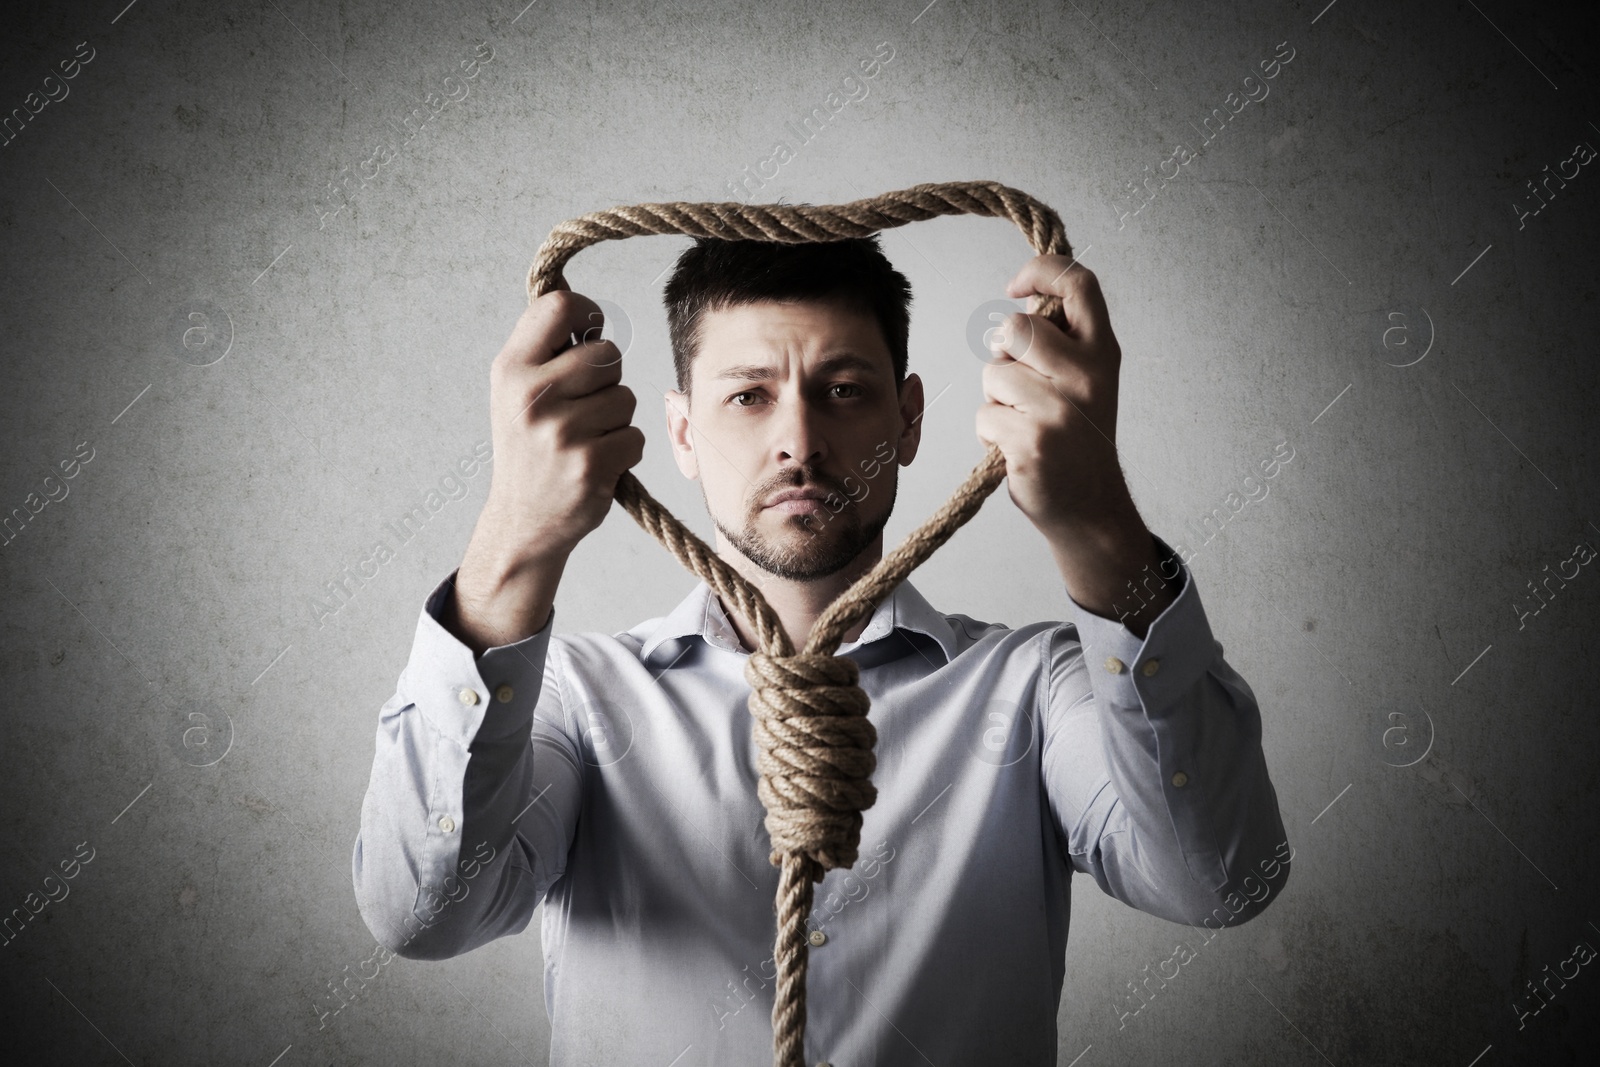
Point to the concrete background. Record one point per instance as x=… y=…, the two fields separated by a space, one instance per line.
x=1432 y=743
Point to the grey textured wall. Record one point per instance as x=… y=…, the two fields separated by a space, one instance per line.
x=254 y=339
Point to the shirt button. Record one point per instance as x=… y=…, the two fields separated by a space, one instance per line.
x=1150 y=667
x=1180 y=779
x=468 y=697
x=503 y=694
x=1114 y=665
x=447 y=824
x=818 y=938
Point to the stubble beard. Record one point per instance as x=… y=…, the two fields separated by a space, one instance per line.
x=802 y=553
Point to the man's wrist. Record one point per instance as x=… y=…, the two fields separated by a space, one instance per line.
x=497 y=600
x=1115 y=569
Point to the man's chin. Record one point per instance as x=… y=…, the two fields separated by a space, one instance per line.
x=791 y=548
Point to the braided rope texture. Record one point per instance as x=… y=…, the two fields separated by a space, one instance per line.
x=814 y=740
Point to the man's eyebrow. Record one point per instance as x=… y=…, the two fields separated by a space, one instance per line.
x=759 y=372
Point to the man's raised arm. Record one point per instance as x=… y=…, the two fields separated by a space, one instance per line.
x=472 y=801
x=1153 y=760
x=1154 y=769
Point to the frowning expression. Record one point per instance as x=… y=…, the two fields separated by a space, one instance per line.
x=795 y=429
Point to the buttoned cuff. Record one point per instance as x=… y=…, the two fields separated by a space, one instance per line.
x=466 y=697
x=1150 y=673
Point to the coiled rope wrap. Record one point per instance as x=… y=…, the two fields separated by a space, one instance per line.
x=814 y=740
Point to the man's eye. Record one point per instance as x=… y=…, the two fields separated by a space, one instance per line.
x=856 y=390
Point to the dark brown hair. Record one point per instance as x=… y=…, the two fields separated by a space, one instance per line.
x=714 y=274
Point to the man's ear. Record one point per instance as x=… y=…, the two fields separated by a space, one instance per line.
x=911 y=409
x=678 y=432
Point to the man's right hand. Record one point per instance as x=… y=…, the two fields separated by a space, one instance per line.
x=561 y=425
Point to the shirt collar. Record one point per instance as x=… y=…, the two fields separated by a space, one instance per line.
x=701 y=614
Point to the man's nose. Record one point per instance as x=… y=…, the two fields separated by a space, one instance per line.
x=799 y=436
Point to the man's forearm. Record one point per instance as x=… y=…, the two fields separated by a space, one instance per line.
x=500 y=600
x=1109 y=565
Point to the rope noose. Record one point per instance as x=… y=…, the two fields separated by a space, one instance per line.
x=814 y=741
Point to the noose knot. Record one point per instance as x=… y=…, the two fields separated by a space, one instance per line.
x=814 y=751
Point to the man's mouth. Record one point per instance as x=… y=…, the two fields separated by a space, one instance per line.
x=797 y=501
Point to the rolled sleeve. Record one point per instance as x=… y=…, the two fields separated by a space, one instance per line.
x=1156 y=771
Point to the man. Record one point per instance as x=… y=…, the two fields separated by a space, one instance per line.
x=612 y=777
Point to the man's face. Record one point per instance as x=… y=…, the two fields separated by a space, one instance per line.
x=795 y=397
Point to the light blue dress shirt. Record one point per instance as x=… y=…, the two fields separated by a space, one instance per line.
x=612 y=777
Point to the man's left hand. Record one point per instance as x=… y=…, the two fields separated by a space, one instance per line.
x=1051 y=408
x=1051 y=404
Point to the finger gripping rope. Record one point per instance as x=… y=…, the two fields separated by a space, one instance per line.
x=813 y=738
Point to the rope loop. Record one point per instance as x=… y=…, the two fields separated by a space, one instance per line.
x=814 y=740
